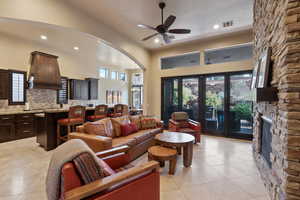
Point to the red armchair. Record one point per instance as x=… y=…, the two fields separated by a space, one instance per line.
x=180 y=122
x=140 y=182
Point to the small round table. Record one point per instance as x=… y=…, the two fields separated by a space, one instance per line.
x=178 y=140
x=162 y=154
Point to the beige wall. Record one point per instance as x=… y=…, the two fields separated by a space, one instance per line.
x=155 y=73
x=58 y=12
x=15 y=53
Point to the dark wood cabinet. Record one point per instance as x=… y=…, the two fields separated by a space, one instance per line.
x=7 y=128
x=4 y=84
x=93 y=88
x=19 y=126
x=79 y=89
x=24 y=126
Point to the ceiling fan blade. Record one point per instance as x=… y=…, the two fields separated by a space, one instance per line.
x=169 y=21
x=150 y=36
x=180 y=31
x=166 y=38
x=146 y=26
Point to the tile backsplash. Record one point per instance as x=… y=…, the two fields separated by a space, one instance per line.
x=40 y=99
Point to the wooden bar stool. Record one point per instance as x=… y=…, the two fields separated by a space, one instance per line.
x=101 y=112
x=76 y=117
x=162 y=154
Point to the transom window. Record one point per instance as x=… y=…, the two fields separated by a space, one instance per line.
x=114 y=75
x=103 y=73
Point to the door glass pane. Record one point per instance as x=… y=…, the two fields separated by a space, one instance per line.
x=214 y=103
x=171 y=98
x=240 y=111
x=190 y=96
x=137 y=96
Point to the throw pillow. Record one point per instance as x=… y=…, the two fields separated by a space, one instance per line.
x=117 y=122
x=108 y=127
x=126 y=129
x=148 y=122
x=134 y=128
x=94 y=128
x=136 y=119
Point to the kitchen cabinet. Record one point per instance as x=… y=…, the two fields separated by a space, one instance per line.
x=19 y=126
x=7 y=128
x=79 y=89
x=4 y=84
x=92 y=88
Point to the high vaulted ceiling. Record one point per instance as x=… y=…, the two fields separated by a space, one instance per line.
x=65 y=40
x=198 y=15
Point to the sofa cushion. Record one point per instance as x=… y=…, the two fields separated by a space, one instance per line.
x=136 y=119
x=120 y=141
x=117 y=122
x=126 y=129
x=95 y=128
x=148 y=122
x=107 y=126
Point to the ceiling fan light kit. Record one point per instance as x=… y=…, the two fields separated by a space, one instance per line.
x=163 y=28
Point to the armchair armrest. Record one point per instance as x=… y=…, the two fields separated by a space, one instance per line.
x=107 y=182
x=95 y=142
x=113 y=151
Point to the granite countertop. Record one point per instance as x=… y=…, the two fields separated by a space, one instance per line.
x=58 y=110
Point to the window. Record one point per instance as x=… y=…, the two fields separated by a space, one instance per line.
x=228 y=54
x=137 y=96
x=184 y=60
x=103 y=73
x=137 y=79
x=114 y=75
x=17 y=85
x=123 y=76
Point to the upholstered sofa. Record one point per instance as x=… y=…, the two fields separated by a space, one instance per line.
x=138 y=142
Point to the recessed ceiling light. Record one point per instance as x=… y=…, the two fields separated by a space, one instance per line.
x=76 y=48
x=216 y=26
x=156 y=40
x=43 y=37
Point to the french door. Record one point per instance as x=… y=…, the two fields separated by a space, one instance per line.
x=221 y=102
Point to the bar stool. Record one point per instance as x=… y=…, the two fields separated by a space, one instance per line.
x=76 y=117
x=100 y=113
x=120 y=110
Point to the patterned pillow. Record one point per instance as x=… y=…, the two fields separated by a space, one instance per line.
x=117 y=122
x=94 y=128
x=148 y=122
x=108 y=127
x=136 y=119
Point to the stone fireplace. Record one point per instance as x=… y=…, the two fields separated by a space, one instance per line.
x=277 y=25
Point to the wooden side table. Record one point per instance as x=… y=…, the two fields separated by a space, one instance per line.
x=162 y=154
x=178 y=140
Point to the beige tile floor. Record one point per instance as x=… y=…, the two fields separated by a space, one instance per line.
x=223 y=169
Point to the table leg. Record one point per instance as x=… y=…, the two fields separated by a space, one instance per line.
x=188 y=154
x=178 y=150
x=172 y=167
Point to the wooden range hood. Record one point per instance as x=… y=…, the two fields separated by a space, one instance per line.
x=44 y=71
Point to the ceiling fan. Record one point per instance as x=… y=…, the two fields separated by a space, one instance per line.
x=163 y=28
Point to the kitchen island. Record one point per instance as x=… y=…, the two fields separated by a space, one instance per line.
x=22 y=124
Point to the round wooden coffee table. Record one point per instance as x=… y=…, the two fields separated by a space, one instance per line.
x=178 y=140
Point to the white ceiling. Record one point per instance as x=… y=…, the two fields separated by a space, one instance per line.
x=198 y=15
x=65 y=39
